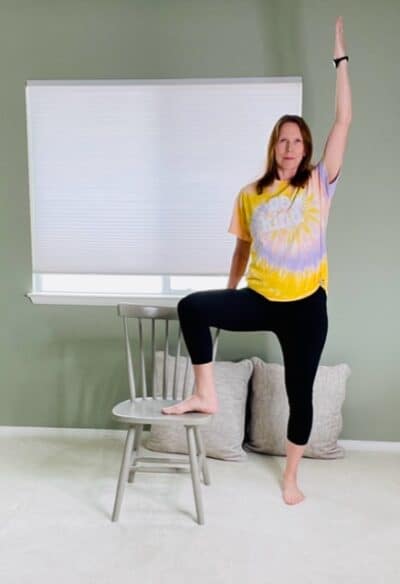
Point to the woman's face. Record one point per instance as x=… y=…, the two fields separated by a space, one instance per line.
x=289 y=149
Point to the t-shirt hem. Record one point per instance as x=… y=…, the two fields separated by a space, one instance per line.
x=290 y=299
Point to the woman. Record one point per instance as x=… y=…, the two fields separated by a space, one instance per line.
x=280 y=223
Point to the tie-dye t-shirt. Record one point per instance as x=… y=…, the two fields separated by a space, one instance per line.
x=287 y=230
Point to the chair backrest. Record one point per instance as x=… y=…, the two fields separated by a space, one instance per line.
x=158 y=319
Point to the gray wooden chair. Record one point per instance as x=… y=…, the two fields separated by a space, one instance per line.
x=146 y=408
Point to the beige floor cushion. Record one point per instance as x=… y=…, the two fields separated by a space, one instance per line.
x=268 y=410
x=223 y=436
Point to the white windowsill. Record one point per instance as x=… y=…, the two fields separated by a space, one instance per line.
x=64 y=298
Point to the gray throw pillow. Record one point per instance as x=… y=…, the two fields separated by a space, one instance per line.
x=223 y=436
x=268 y=410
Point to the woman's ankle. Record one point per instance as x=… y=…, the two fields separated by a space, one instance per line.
x=290 y=477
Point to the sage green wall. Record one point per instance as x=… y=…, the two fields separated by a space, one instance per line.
x=64 y=366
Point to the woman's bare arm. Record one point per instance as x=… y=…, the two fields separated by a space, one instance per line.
x=337 y=139
x=239 y=262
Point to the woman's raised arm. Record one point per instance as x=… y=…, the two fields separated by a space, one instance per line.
x=336 y=143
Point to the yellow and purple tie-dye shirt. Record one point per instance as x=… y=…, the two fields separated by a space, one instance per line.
x=287 y=230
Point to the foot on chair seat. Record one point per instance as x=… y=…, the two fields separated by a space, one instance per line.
x=194 y=403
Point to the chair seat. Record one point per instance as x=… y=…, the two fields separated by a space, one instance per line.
x=148 y=411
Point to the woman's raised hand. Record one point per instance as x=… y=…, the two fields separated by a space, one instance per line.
x=340 y=45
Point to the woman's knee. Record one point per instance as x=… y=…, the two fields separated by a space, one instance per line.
x=188 y=304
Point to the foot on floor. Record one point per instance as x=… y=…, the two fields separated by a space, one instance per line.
x=291 y=493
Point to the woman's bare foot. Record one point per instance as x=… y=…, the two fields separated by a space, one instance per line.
x=194 y=403
x=290 y=492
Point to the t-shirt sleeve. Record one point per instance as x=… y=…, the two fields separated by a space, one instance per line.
x=328 y=188
x=239 y=224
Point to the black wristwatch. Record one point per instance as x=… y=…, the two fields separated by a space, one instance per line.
x=337 y=61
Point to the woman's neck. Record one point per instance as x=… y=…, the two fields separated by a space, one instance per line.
x=285 y=174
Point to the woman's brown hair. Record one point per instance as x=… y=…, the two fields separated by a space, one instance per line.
x=305 y=167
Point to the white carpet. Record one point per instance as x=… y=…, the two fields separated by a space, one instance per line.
x=57 y=493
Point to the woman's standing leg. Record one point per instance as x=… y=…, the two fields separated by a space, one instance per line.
x=302 y=337
x=229 y=309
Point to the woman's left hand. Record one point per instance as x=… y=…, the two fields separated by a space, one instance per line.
x=340 y=45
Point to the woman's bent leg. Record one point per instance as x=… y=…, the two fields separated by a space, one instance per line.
x=236 y=310
x=232 y=310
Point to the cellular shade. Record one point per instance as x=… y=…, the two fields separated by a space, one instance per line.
x=139 y=177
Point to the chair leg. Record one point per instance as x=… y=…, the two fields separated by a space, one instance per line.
x=194 y=468
x=135 y=451
x=203 y=455
x=123 y=474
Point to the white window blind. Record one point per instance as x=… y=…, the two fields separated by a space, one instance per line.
x=139 y=177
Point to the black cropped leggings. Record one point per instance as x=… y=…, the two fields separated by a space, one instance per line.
x=300 y=325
